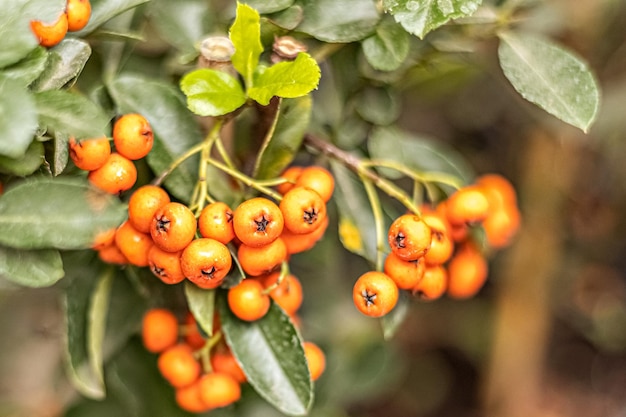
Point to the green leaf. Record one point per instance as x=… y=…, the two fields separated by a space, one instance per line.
x=65 y=62
x=18 y=118
x=377 y=105
x=418 y=153
x=68 y=214
x=104 y=10
x=339 y=21
x=202 y=305
x=271 y=355
x=279 y=149
x=181 y=23
x=287 y=79
x=29 y=68
x=356 y=221
x=27 y=164
x=268 y=6
x=245 y=34
x=391 y=322
x=551 y=77
x=212 y=93
x=422 y=16
x=388 y=48
x=63 y=112
x=31 y=268
x=175 y=129
x=288 y=19
x=60 y=154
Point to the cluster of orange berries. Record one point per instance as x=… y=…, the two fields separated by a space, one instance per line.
x=74 y=18
x=434 y=254
x=203 y=385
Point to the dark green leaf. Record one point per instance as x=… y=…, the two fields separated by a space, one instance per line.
x=392 y=321
x=27 y=164
x=64 y=112
x=351 y=132
x=18 y=118
x=202 y=305
x=268 y=6
x=387 y=49
x=377 y=105
x=279 y=150
x=288 y=19
x=245 y=34
x=31 y=268
x=212 y=93
x=356 y=221
x=339 y=21
x=288 y=79
x=418 y=153
x=175 y=129
x=422 y=16
x=181 y=23
x=65 y=62
x=551 y=77
x=104 y=10
x=68 y=214
x=28 y=69
x=271 y=355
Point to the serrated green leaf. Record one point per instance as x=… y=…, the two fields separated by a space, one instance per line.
x=377 y=105
x=175 y=129
x=65 y=62
x=279 y=150
x=63 y=112
x=388 y=48
x=27 y=164
x=391 y=322
x=357 y=230
x=551 y=77
x=245 y=34
x=29 y=68
x=68 y=214
x=18 y=118
x=31 y=268
x=271 y=355
x=212 y=93
x=288 y=79
x=268 y=6
x=202 y=305
x=339 y=21
x=422 y=16
x=104 y=10
x=418 y=153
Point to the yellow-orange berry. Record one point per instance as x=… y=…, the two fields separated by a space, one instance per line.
x=89 y=154
x=50 y=34
x=159 y=330
x=375 y=294
x=132 y=135
x=78 y=14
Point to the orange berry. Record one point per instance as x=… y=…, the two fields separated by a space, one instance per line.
x=159 y=330
x=288 y=294
x=303 y=210
x=315 y=359
x=291 y=174
x=499 y=191
x=173 y=227
x=51 y=34
x=223 y=360
x=248 y=301
x=178 y=365
x=441 y=246
x=116 y=175
x=219 y=389
x=501 y=226
x=143 y=204
x=319 y=180
x=260 y=260
x=206 y=262
x=133 y=244
x=132 y=135
x=216 y=222
x=297 y=243
x=89 y=154
x=104 y=239
x=467 y=272
x=406 y=274
x=188 y=398
x=433 y=284
x=193 y=337
x=467 y=205
x=165 y=265
x=257 y=222
x=78 y=14
x=409 y=237
x=375 y=294
x=112 y=255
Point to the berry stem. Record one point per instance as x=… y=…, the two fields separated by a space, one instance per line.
x=372 y=196
x=246 y=180
x=204 y=353
x=203 y=193
x=422 y=177
x=284 y=271
x=192 y=151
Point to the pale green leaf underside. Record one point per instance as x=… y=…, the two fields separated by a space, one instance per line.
x=31 y=268
x=551 y=77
